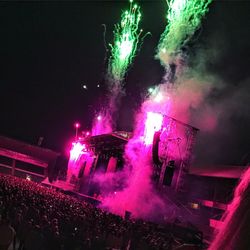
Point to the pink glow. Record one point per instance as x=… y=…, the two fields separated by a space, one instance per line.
x=78 y=155
x=76 y=150
x=77 y=125
x=158 y=98
x=102 y=124
x=153 y=123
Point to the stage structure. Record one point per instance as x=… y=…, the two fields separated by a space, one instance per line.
x=172 y=152
x=102 y=154
x=92 y=155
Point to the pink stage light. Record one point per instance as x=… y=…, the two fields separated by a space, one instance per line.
x=99 y=117
x=77 y=125
x=153 y=124
x=77 y=150
x=159 y=97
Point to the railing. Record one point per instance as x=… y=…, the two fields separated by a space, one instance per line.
x=12 y=165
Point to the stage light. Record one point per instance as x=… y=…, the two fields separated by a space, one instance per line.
x=194 y=205
x=76 y=150
x=153 y=123
x=158 y=98
x=84 y=86
x=99 y=117
x=98 y=86
x=77 y=125
x=150 y=90
x=28 y=177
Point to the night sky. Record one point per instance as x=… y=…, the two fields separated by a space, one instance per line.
x=49 y=50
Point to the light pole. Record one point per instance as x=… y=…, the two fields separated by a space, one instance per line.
x=77 y=126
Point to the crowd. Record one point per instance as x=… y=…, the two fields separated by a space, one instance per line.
x=42 y=218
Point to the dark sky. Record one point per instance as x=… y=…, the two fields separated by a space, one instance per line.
x=48 y=50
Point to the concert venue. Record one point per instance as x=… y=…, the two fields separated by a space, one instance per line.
x=125 y=125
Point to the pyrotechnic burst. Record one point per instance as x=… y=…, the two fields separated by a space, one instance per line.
x=184 y=17
x=161 y=103
x=126 y=38
x=153 y=124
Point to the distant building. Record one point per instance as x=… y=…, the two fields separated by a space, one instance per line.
x=210 y=190
x=25 y=160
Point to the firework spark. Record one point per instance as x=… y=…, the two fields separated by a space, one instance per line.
x=184 y=18
x=126 y=38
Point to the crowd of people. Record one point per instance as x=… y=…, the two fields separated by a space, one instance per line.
x=43 y=218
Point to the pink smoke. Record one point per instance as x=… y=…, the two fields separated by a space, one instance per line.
x=139 y=196
x=102 y=124
x=105 y=122
x=167 y=100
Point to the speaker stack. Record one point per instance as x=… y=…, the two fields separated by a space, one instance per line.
x=155 y=148
x=169 y=173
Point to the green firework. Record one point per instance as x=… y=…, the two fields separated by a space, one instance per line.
x=126 y=38
x=184 y=17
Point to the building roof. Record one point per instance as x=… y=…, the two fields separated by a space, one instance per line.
x=109 y=141
x=220 y=171
x=23 y=148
